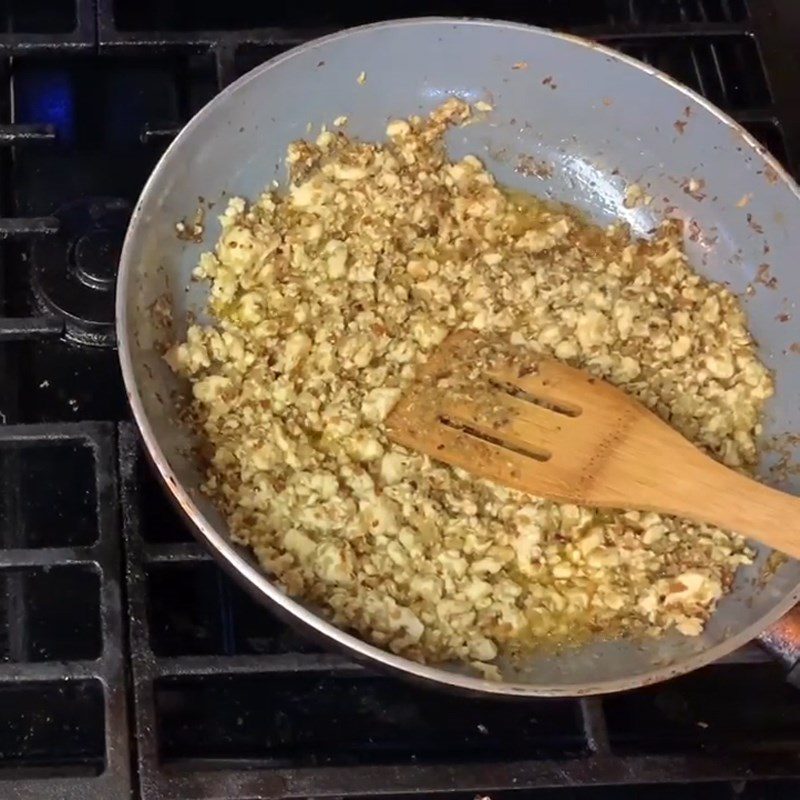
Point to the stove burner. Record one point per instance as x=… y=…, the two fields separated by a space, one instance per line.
x=74 y=272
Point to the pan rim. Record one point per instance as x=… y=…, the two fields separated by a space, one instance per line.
x=258 y=582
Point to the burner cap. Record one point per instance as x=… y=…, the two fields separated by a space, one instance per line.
x=74 y=272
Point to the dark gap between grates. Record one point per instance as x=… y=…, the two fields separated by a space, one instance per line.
x=713 y=710
x=769 y=133
x=303 y=720
x=39 y=16
x=257 y=632
x=50 y=614
x=654 y=12
x=726 y=70
x=81 y=102
x=49 y=726
x=56 y=380
x=48 y=496
x=249 y=56
x=194 y=609
x=185 y=609
x=183 y=15
x=160 y=522
x=180 y=15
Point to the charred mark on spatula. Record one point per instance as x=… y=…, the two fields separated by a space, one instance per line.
x=486 y=438
x=542 y=402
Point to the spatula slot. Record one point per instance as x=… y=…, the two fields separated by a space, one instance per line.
x=538 y=400
x=468 y=430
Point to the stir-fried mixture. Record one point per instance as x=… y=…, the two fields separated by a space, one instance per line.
x=326 y=298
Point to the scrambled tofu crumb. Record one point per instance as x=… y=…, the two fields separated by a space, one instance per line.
x=327 y=297
x=634 y=196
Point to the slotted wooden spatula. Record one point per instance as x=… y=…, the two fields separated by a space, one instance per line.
x=557 y=432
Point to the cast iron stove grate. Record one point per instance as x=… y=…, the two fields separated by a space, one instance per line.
x=63 y=698
x=63 y=718
x=226 y=702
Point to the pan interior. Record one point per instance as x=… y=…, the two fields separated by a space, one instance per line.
x=600 y=123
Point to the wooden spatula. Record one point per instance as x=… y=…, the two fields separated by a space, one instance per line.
x=556 y=432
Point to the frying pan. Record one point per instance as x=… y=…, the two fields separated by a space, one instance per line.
x=599 y=121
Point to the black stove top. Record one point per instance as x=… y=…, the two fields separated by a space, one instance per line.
x=129 y=665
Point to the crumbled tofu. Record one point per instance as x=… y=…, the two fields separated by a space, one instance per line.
x=324 y=300
x=634 y=196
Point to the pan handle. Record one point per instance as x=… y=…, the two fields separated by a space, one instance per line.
x=782 y=641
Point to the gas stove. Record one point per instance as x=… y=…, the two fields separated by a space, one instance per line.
x=130 y=666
